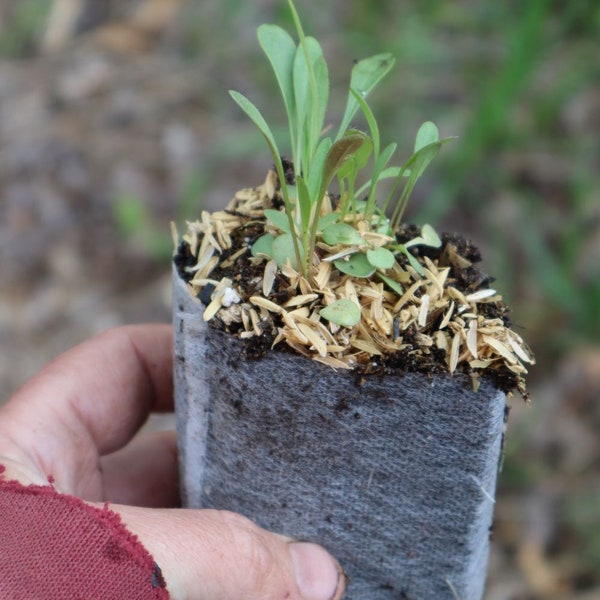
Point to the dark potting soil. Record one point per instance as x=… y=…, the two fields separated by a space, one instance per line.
x=456 y=252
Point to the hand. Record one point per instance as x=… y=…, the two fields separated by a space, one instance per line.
x=76 y=422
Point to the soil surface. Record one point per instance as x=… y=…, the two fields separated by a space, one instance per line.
x=456 y=253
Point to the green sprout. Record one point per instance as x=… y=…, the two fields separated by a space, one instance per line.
x=302 y=75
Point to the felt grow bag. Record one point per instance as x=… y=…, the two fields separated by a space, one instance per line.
x=394 y=475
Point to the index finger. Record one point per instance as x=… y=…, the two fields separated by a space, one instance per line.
x=92 y=399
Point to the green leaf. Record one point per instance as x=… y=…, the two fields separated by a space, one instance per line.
x=342 y=233
x=417 y=241
x=284 y=251
x=315 y=175
x=279 y=219
x=327 y=220
x=420 y=161
x=363 y=154
x=415 y=264
x=428 y=134
x=430 y=236
x=263 y=246
x=370 y=118
x=342 y=312
x=322 y=83
x=254 y=114
x=305 y=204
x=356 y=265
x=380 y=172
x=366 y=74
x=311 y=89
x=381 y=258
x=393 y=285
x=338 y=154
x=280 y=49
x=417 y=164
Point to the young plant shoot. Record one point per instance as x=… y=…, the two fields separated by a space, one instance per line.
x=338 y=277
x=358 y=224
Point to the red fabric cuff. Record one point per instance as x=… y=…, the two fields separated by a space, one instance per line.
x=57 y=546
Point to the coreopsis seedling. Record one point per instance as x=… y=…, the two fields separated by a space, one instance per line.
x=358 y=224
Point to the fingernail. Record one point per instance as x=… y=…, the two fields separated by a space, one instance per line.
x=318 y=575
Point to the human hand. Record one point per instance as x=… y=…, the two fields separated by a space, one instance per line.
x=75 y=422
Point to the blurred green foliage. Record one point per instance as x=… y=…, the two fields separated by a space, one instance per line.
x=24 y=23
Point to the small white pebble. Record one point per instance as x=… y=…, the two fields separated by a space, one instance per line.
x=230 y=296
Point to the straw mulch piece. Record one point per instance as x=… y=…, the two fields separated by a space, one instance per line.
x=446 y=320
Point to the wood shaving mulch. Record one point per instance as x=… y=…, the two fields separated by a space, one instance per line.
x=447 y=320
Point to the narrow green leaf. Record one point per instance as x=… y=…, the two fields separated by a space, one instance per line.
x=263 y=246
x=381 y=258
x=356 y=265
x=248 y=107
x=363 y=154
x=279 y=219
x=310 y=95
x=338 y=154
x=342 y=312
x=342 y=233
x=280 y=49
x=302 y=103
x=360 y=159
x=417 y=164
x=305 y=204
x=315 y=175
x=417 y=241
x=370 y=118
x=322 y=84
x=366 y=74
x=414 y=263
x=259 y=121
x=380 y=171
x=393 y=285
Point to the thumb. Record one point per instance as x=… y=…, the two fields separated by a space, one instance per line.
x=210 y=555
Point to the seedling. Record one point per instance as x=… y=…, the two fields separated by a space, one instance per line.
x=356 y=223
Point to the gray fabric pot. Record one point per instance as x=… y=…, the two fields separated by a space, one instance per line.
x=394 y=475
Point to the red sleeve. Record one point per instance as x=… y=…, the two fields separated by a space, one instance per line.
x=57 y=546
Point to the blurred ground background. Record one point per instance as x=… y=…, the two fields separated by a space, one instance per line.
x=115 y=119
